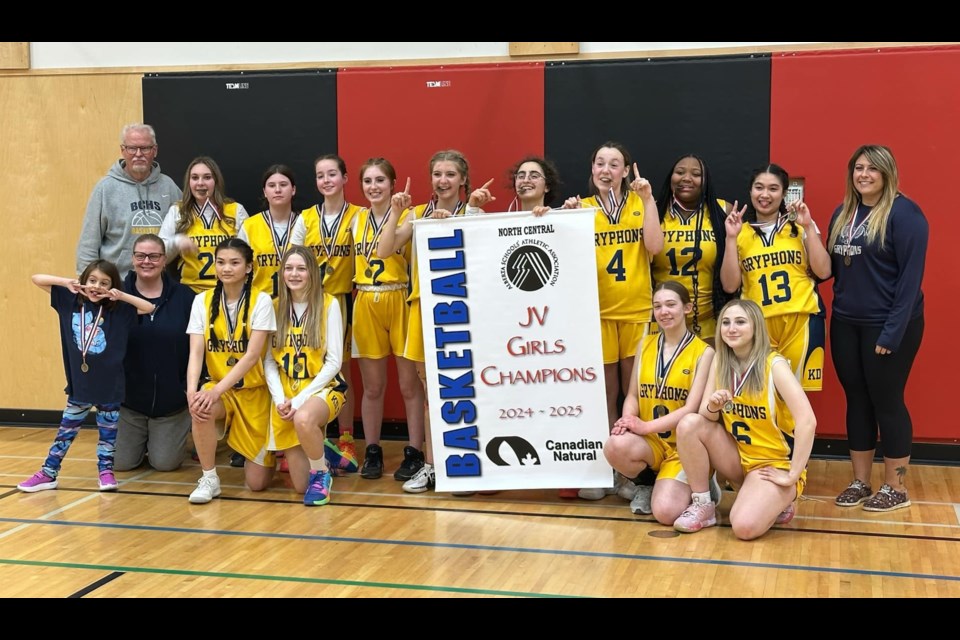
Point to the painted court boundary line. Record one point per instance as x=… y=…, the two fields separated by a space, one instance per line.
x=273 y=578
x=492 y=548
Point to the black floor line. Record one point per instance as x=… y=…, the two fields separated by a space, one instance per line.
x=96 y=585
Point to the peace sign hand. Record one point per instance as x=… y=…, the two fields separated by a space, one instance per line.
x=482 y=196
x=734 y=220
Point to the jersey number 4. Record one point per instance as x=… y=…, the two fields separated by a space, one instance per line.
x=616 y=268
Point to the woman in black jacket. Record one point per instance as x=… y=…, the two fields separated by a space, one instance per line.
x=154 y=420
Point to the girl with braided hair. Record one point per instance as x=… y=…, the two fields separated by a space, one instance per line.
x=229 y=326
x=692 y=218
x=775 y=253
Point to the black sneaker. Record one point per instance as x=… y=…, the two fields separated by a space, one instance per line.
x=372 y=462
x=412 y=461
x=237 y=460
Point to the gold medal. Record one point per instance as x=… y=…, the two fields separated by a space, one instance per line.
x=231 y=361
x=84 y=367
x=791 y=216
x=298 y=368
x=847 y=260
x=728 y=406
x=329 y=270
x=367 y=272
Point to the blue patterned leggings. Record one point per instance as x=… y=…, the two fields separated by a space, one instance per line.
x=73 y=416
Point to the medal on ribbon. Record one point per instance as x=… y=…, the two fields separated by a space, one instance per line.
x=232 y=322
x=368 y=247
x=663 y=368
x=328 y=236
x=85 y=339
x=739 y=380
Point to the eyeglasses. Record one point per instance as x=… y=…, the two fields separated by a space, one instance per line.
x=147 y=257
x=133 y=150
x=533 y=175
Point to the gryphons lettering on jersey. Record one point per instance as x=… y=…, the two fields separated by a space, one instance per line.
x=199 y=272
x=623 y=264
x=331 y=239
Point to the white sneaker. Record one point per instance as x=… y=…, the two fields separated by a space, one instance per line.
x=641 y=502
x=423 y=480
x=207 y=489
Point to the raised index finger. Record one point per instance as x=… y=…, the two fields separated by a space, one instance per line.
x=488 y=183
x=636 y=172
x=406 y=190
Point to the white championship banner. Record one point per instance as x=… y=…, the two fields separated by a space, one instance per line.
x=511 y=332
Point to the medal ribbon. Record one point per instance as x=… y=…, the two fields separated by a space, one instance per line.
x=851 y=232
x=279 y=242
x=330 y=231
x=199 y=211
x=297 y=344
x=663 y=368
x=778 y=225
x=616 y=208
x=85 y=340
x=740 y=380
x=377 y=230
x=232 y=323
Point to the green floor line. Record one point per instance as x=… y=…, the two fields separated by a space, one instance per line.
x=249 y=576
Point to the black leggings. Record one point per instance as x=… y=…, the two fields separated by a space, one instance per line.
x=874 y=385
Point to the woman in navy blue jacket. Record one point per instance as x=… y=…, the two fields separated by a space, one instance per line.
x=878 y=247
x=154 y=420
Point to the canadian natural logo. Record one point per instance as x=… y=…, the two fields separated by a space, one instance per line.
x=523 y=452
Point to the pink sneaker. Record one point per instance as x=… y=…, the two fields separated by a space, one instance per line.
x=38 y=482
x=107 y=481
x=786 y=515
x=698 y=515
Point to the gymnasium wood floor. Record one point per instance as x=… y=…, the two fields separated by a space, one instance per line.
x=373 y=540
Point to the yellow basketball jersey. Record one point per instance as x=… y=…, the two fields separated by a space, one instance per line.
x=268 y=249
x=775 y=272
x=369 y=269
x=423 y=211
x=298 y=367
x=681 y=258
x=225 y=349
x=623 y=264
x=333 y=244
x=663 y=385
x=199 y=272
x=761 y=422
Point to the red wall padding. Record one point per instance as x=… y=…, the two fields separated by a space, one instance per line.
x=492 y=113
x=824 y=106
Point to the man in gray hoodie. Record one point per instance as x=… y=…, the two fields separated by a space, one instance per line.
x=130 y=200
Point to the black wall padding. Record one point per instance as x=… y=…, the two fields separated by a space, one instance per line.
x=245 y=122
x=716 y=107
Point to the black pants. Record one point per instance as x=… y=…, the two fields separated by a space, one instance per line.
x=874 y=385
